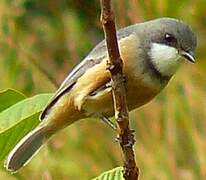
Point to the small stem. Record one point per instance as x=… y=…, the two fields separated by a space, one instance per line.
x=114 y=65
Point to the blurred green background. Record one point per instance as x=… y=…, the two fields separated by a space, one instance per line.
x=50 y=37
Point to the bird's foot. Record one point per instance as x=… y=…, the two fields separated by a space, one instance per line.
x=107 y=121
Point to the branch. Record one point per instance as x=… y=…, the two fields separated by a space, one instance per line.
x=115 y=65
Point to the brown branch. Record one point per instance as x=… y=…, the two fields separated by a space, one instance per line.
x=125 y=135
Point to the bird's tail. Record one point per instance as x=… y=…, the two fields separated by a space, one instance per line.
x=26 y=148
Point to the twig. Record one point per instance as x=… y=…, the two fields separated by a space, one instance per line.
x=125 y=135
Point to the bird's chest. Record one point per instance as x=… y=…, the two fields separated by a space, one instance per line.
x=138 y=92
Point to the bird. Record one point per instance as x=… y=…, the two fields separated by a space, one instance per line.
x=151 y=51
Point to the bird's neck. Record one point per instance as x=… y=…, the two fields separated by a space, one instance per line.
x=165 y=59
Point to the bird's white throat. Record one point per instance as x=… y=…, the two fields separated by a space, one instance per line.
x=165 y=58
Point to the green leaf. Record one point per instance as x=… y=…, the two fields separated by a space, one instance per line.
x=18 y=120
x=114 y=174
x=10 y=137
x=9 y=97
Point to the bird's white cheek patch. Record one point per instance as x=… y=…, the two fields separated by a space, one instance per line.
x=165 y=58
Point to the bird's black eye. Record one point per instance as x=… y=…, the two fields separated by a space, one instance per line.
x=170 y=38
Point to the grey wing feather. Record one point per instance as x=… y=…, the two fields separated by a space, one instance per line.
x=94 y=57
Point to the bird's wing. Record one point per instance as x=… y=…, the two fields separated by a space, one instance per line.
x=94 y=57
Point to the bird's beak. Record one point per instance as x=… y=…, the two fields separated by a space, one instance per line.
x=189 y=55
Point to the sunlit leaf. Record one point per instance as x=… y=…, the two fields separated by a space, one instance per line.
x=9 y=97
x=114 y=174
x=18 y=120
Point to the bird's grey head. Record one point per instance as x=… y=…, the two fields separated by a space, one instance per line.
x=169 y=39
